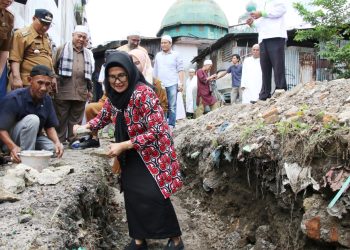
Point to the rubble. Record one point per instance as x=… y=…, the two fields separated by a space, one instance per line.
x=7 y=196
x=57 y=214
x=12 y=184
x=283 y=149
x=319 y=226
x=21 y=175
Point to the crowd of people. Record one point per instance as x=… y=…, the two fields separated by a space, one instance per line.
x=50 y=88
x=252 y=79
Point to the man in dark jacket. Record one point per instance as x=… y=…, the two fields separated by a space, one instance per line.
x=25 y=112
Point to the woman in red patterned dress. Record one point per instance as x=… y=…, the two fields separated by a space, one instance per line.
x=150 y=171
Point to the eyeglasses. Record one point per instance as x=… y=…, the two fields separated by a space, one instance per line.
x=122 y=77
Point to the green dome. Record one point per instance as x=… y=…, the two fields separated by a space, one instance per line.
x=194 y=12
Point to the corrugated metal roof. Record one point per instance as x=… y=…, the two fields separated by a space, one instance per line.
x=251 y=38
x=220 y=42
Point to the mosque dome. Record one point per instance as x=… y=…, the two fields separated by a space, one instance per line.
x=194 y=18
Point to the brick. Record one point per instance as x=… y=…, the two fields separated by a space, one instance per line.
x=313 y=228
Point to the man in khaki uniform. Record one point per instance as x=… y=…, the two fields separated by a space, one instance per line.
x=73 y=64
x=31 y=46
x=6 y=26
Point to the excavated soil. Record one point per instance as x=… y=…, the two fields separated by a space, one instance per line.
x=235 y=162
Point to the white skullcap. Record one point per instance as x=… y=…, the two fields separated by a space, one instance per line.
x=82 y=29
x=168 y=38
x=208 y=62
x=134 y=33
x=191 y=70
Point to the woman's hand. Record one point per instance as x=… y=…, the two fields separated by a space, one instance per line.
x=82 y=128
x=115 y=149
x=75 y=127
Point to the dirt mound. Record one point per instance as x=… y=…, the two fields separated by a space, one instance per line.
x=255 y=165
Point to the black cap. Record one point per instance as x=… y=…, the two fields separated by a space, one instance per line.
x=43 y=15
x=41 y=70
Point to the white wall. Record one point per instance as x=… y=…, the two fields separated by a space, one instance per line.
x=187 y=52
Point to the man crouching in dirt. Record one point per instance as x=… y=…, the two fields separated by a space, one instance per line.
x=25 y=112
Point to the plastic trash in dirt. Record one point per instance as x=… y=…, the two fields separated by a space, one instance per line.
x=336 y=208
x=299 y=178
x=216 y=156
x=336 y=177
x=224 y=126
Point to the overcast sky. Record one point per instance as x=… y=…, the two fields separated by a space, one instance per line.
x=112 y=19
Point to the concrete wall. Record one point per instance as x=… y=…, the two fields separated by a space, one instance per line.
x=187 y=52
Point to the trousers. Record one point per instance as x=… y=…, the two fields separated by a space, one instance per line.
x=25 y=135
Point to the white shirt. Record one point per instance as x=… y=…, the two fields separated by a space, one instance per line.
x=101 y=77
x=273 y=24
x=190 y=85
x=167 y=67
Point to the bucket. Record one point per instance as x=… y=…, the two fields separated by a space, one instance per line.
x=37 y=159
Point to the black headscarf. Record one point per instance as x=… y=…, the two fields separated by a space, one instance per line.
x=122 y=59
x=121 y=100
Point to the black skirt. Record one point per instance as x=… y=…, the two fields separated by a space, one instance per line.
x=149 y=215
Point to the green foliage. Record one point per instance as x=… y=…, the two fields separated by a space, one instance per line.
x=302 y=109
x=285 y=128
x=248 y=131
x=320 y=115
x=330 y=21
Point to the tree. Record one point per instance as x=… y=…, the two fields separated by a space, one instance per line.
x=330 y=22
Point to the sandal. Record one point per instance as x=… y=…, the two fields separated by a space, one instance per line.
x=171 y=245
x=133 y=246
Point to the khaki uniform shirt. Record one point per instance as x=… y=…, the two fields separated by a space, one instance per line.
x=30 y=49
x=6 y=26
x=75 y=87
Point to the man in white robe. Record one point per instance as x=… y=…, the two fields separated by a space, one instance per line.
x=190 y=85
x=251 y=77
